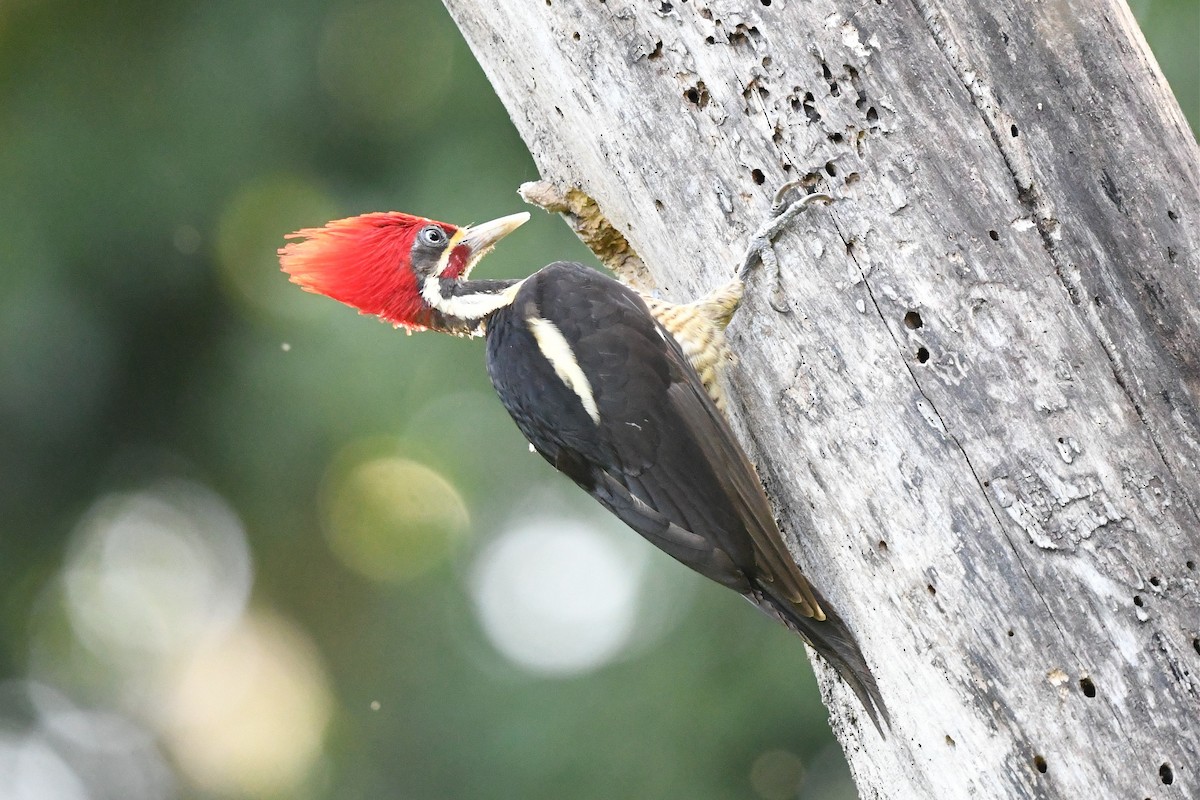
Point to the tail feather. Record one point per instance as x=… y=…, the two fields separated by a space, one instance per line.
x=834 y=642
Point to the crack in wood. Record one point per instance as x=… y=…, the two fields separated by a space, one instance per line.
x=979 y=482
x=1020 y=166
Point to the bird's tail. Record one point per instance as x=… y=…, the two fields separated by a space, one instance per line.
x=832 y=639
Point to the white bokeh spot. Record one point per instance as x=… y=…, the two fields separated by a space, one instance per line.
x=152 y=571
x=558 y=596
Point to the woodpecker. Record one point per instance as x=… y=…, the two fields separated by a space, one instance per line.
x=601 y=389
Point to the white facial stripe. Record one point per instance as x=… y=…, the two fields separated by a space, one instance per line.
x=467 y=306
x=444 y=260
x=557 y=350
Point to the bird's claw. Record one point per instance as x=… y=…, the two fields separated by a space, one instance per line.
x=761 y=247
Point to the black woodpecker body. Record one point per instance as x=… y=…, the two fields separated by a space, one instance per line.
x=606 y=395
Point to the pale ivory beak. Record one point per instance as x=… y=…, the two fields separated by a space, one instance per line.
x=480 y=238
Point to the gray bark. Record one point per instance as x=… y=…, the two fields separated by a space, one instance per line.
x=971 y=389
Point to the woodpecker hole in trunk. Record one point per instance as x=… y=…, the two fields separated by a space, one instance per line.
x=697 y=95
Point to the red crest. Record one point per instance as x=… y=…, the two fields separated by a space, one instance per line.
x=364 y=262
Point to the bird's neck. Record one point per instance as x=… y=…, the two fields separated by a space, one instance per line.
x=464 y=306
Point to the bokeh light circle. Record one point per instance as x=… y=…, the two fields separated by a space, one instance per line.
x=30 y=769
x=246 y=714
x=149 y=572
x=557 y=597
x=390 y=518
x=251 y=228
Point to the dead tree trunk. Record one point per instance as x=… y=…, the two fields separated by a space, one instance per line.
x=972 y=388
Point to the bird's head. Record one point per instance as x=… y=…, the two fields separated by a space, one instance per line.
x=380 y=263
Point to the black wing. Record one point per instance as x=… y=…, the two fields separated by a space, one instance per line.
x=608 y=397
x=654 y=449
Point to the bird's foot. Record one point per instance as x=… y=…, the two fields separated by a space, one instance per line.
x=761 y=249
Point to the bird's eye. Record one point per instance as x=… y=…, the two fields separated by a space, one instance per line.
x=433 y=235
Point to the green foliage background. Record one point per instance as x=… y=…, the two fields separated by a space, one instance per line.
x=152 y=155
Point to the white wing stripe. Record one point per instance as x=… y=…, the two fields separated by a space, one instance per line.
x=557 y=350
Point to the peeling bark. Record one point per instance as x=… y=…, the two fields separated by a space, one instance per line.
x=971 y=389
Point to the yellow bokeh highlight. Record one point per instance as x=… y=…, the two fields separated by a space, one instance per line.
x=389 y=518
x=250 y=231
x=246 y=713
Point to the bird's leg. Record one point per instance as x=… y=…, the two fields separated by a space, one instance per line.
x=762 y=244
x=698 y=326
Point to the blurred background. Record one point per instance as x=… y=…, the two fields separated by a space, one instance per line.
x=253 y=545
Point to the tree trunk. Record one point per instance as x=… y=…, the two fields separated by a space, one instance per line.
x=971 y=389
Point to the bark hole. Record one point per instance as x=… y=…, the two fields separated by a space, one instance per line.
x=697 y=95
x=922 y=354
x=912 y=320
x=1089 y=688
x=1039 y=764
x=810 y=108
x=1165 y=773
